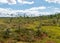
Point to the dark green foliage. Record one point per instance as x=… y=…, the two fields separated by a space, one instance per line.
x=38 y=33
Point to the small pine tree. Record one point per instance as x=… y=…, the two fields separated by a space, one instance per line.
x=38 y=31
x=6 y=33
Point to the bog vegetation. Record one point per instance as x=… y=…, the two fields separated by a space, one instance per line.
x=41 y=29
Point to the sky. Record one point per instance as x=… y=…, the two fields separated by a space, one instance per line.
x=29 y=7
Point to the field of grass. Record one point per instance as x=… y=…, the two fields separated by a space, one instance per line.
x=30 y=30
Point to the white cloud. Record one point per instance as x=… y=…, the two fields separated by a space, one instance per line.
x=3 y=1
x=6 y=12
x=11 y=1
x=34 y=12
x=8 y=1
x=25 y=2
x=37 y=8
x=28 y=12
x=57 y=10
x=14 y=1
x=53 y=1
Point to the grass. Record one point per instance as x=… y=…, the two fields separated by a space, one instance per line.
x=53 y=32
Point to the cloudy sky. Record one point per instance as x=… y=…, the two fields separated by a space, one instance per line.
x=29 y=7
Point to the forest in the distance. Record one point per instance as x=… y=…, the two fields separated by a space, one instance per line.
x=40 y=29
